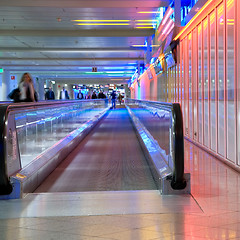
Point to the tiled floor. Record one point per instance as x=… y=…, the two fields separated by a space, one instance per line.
x=211 y=212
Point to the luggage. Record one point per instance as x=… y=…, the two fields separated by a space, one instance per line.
x=14 y=94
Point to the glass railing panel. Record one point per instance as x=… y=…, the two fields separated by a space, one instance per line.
x=39 y=129
x=158 y=123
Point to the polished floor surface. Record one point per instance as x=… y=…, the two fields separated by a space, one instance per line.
x=212 y=211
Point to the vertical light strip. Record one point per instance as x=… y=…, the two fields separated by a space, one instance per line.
x=216 y=77
x=235 y=77
x=225 y=76
x=197 y=85
x=202 y=80
x=209 y=82
x=187 y=83
x=236 y=29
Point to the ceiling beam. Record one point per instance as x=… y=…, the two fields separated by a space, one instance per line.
x=87 y=4
x=127 y=32
x=91 y=80
x=57 y=66
x=72 y=59
x=43 y=49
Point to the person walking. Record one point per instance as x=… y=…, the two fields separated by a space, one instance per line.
x=64 y=94
x=50 y=94
x=94 y=95
x=120 y=98
x=113 y=97
x=27 y=92
x=79 y=95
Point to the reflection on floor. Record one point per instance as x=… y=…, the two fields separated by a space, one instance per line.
x=212 y=212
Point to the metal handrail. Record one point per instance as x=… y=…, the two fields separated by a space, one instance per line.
x=177 y=180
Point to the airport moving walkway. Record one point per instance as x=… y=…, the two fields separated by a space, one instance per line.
x=75 y=146
x=109 y=158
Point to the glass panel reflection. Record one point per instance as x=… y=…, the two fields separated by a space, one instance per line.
x=158 y=122
x=212 y=80
x=231 y=118
x=39 y=129
x=220 y=67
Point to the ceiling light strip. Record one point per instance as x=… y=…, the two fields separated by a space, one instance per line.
x=150 y=12
x=145 y=27
x=146 y=24
x=95 y=20
x=147 y=20
x=102 y=24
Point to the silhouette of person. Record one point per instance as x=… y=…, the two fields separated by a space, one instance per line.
x=64 y=94
x=49 y=95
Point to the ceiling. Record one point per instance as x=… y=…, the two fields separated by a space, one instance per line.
x=40 y=37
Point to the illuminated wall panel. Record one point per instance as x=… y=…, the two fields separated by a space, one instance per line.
x=181 y=97
x=186 y=86
x=237 y=58
x=195 y=83
x=215 y=84
x=221 y=78
x=205 y=82
x=231 y=104
x=190 y=85
x=200 y=86
x=212 y=80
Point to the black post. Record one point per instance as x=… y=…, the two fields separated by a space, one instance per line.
x=5 y=185
x=178 y=181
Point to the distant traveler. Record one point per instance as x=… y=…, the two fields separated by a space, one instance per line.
x=101 y=95
x=26 y=91
x=80 y=95
x=50 y=94
x=64 y=94
x=94 y=95
x=120 y=97
x=113 y=96
x=88 y=96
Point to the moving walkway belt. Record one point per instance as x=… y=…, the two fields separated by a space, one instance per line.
x=110 y=158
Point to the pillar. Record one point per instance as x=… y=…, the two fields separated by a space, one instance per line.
x=148 y=52
x=177 y=12
x=127 y=92
x=5 y=85
x=39 y=87
x=54 y=88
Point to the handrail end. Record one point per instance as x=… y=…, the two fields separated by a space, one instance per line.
x=6 y=189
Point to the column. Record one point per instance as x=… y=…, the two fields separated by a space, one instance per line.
x=48 y=83
x=54 y=88
x=177 y=11
x=148 y=52
x=5 y=85
x=39 y=87
x=127 y=92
